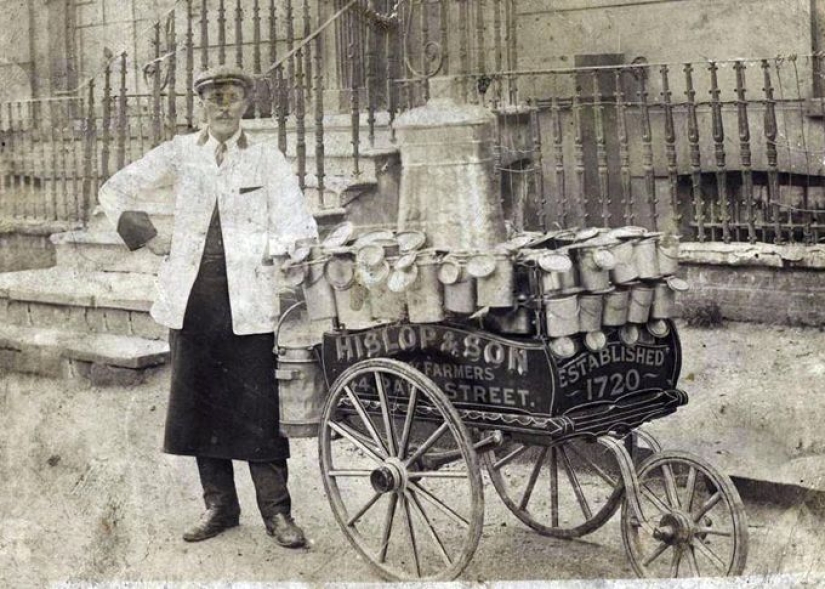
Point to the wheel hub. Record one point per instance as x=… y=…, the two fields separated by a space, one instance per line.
x=388 y=477
x=674 y=528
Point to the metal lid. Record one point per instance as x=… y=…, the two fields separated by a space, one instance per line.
x=340 y=273
x=370 y=255
x=406 y=261
x=372 y=236
x=658 y=328
x=401 y=280
x=481 y=265
x=629 y=334
x=554 y=262
x=294 y=274
x=300 y=253
x=604 y=259
x=409 y=241
x=450 y=271
x=521 y=240
x=339 y=235
x=628 y=232
x=563 y=347
x=587 y=233
x=595 y=340
x=374 y=275
x=677 y=284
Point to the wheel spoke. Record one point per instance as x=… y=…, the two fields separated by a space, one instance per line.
x=385 y=536
x=408 y=421
x=691 y=489
x=362 y=413
x=694 y=565
x=449 y=511
x=510 y=457
x=660 y=549
x=715 y=532
x=352 y=436
x=385 y=413
x=437 y=474
x=710 y=555
x=650 y=496
x=416 y=504
x=554 y=489
x=674 y=563
x=350 y=473
x=410 y=533
x=574 y=482
x=670 y=486
x=599 y=470
x=525 y=499
x=364 y=509
x=426 y=445
x=709 y=504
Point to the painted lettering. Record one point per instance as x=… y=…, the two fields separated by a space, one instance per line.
x=407 y=338
x=494 y=353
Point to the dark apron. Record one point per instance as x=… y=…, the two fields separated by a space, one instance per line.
x=224 y=396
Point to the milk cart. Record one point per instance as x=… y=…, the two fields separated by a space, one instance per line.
x=416 y=410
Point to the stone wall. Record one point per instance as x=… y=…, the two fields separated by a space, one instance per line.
x=761 y=283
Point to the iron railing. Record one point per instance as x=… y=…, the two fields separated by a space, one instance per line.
x=718 y=151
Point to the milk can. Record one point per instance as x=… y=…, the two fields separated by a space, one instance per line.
x=646 y=257
x=562 y=314
x=641 y=297
x=668 y=255
x=595 y=340
x=459 y=286
x=425 y=296
x=625 y=269
x=302 y=392
x=317 y=291
x=615 y=307
x=563 y=347
x=351 y=298
x=591 y=308
x=664 y=297
x=495 y=279
x=595 y=264
x=554 y=266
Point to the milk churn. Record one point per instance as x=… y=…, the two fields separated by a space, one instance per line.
x=554 y=266
x=302 y=391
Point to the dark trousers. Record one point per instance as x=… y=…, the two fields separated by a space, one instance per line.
x=269 y=478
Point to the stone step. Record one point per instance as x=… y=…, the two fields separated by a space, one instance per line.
x=101 y=251
x=84 y=302
x=104 y=359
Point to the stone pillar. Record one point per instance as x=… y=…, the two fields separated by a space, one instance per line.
x=447 y=175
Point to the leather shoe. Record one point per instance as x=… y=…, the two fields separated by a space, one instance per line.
x=213 y=522
x=283 y=528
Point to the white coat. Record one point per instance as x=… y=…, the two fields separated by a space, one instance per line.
x=262 y=212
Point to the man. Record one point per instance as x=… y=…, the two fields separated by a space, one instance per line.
x=236 y=205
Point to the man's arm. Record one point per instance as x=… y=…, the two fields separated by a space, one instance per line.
x=289 y=216
x=121 y=196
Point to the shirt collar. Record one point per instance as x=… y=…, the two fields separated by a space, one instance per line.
x=239 y=139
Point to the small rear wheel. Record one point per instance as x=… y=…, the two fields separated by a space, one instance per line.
x=692 y=523
x=411 y=514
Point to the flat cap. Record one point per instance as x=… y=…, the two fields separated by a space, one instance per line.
x=222 y=74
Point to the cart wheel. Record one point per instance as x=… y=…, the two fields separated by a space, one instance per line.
x=565 y=490
x=409 y=511
x=692 y=523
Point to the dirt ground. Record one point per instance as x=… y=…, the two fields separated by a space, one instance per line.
x=87 y=495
